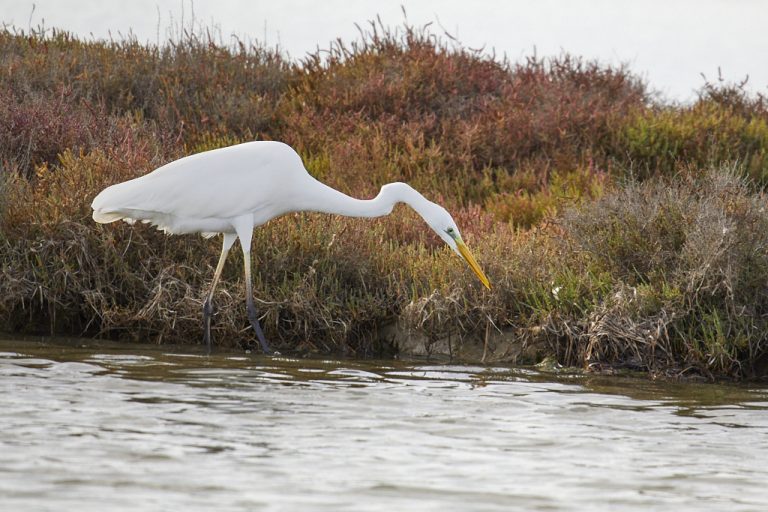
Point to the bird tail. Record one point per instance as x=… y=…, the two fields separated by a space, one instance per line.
x=103 y=217
x=109 y=205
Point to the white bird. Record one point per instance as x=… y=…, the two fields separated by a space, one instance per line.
x=234 y=189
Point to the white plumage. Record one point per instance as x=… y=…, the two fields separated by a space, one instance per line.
x=234 y=189
x=204 y=192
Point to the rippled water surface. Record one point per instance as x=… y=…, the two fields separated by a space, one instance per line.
x=103 y=427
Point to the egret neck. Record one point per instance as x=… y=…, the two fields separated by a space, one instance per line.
x=322 y=198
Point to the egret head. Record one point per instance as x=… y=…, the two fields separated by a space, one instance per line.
x=441 y=221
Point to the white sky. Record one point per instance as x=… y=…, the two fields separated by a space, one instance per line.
x=668 y=42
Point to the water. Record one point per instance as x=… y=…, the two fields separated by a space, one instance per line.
x=102 y=427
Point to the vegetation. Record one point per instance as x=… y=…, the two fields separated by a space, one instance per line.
x=618 y=230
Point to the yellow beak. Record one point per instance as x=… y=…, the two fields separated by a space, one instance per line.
x=464 y=250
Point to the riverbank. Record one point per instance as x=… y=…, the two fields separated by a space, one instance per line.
x=617 y=230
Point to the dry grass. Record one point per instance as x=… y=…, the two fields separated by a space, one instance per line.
x=688 y=263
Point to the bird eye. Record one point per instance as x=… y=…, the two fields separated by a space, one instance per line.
x=449 y=231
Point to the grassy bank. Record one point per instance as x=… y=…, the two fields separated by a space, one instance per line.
x=618 y=230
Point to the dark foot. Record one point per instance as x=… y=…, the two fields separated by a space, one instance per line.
x=207 y=313
x=253 y=317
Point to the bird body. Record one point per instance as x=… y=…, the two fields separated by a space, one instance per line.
x=205 y=192
x=234 y=189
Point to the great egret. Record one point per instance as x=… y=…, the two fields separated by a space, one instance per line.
x=234 y=189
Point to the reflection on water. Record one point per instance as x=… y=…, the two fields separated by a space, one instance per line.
x=124 y=428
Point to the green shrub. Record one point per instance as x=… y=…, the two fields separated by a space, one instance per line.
x=662 y=141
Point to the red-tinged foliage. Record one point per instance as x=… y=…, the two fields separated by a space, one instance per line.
x=506 y=147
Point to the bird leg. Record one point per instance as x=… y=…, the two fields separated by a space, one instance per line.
x=253 y=316
x=229 y=239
